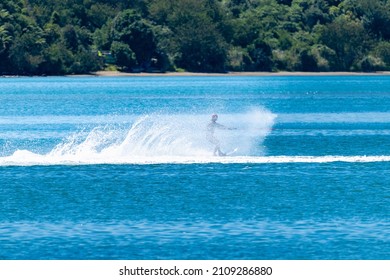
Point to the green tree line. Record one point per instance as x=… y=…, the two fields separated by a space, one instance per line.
x=55 y=37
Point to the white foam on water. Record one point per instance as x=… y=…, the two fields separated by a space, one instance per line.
x=176 y=139
x=26 y=158
x=155 y=139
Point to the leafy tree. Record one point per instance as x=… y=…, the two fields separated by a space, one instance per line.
x=376 y=16
x=382 y=51
x=57 y=60
x=260 y=54
x=201 y=49
x=65 y=36
x=198 y=43
x=84 y=61
x=124 y=56
x=5 y=39
x=137 y=33
x=99 y=14
x=52 y=33
x=102 y=37
x=348 y=39
x=70 y=37
x=26 y=53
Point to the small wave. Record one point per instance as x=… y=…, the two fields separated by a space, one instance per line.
x=341 y=117
x=26 y=158
x=349 y=229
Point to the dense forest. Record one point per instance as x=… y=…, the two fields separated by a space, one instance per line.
x=55 y=37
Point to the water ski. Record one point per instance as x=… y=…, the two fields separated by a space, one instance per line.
x=232 y=152
x=229 y=153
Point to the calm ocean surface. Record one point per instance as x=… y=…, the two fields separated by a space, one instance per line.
x=120 y=168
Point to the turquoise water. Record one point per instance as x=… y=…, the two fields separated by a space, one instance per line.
x=119 y=168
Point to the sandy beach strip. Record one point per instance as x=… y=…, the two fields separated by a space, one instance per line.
x=200 y=74
x=260 y=74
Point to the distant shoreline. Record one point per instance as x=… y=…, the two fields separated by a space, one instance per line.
x=260 y=74
x=201 y=74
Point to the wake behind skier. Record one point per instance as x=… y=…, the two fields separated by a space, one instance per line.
x=211 y=127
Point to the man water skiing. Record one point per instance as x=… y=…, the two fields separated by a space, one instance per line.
x=210 y=134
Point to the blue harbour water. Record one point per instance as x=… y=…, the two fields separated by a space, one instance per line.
x=120 y=168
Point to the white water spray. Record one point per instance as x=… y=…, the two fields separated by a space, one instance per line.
x=156 y=139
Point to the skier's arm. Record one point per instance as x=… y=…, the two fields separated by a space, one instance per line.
x=220 y=126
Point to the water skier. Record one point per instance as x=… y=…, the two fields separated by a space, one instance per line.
x=210 y=134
